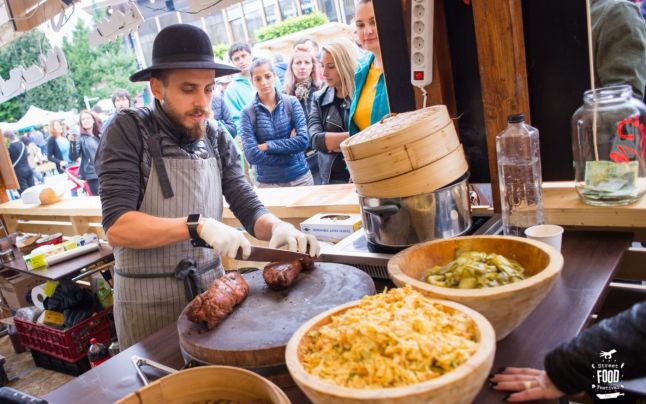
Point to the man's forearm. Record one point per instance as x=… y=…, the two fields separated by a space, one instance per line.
x=140 y=230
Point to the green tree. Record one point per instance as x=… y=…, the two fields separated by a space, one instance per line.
x=54 y=95
x=98 y=71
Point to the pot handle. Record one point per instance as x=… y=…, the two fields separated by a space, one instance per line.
x=384 y=210
x=138 y=361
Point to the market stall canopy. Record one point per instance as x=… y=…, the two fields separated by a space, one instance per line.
x=35 y=117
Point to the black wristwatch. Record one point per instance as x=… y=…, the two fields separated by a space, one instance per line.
x=192 y=221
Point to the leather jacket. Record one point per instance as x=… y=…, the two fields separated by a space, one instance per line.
x=326 y=117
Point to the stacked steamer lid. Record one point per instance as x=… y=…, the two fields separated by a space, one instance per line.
x=411 y=176
x=405 y=154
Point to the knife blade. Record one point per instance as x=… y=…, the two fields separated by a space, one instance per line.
x=265 y=254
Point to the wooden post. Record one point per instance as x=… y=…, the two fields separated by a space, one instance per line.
x=503 y=72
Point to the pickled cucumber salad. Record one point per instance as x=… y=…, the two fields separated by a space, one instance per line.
x=476 y=270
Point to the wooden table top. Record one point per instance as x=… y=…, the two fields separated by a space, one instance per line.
x=591 y=259
x=63 y=269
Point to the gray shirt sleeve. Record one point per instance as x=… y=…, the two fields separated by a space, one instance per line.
x=118 y=167
x=240 y=196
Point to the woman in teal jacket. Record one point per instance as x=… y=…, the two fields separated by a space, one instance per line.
x=370 y=101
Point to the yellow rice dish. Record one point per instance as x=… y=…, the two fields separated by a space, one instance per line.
x=390 y=339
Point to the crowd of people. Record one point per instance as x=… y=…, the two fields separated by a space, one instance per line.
x=287 y=118
x=71 y=150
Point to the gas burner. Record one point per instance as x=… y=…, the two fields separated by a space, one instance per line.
x=357 y=251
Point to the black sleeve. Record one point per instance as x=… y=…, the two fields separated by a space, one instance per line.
x=118 y=166
x=227 y=119
x=570 y=365
x=240 y=196
x=315 y=126
x=75 y=149
x=51 y=155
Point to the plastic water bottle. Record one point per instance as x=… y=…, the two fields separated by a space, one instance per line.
x=98 y=353
x=519 y=175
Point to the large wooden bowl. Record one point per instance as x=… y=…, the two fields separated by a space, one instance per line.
x=504 y=306
x=460 y=385
x=208 y=384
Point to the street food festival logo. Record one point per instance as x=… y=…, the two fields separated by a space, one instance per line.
x=607 y=374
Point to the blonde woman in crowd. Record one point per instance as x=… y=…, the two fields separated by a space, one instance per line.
x=302 y=77
x=58 y=147
x=328 y=120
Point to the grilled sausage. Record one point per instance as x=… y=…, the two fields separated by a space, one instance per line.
x=214 y=305
x=281 y=275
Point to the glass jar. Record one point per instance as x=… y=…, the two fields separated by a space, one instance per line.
x=609 y=145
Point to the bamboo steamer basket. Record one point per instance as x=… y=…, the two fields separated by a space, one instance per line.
x=504 y=306
x=405 y=158
x=394 y=131
x=460 y=385
x=400 y=143
x=422 y=180
x=208 y=384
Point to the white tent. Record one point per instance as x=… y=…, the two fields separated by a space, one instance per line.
x=35 y=117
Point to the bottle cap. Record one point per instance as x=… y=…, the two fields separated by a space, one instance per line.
x=516 y=118
x=92 y=340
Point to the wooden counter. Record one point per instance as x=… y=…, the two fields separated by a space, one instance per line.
x=591 y=259
x=82 y=214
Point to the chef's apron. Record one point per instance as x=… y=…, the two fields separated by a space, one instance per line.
x=147 y=294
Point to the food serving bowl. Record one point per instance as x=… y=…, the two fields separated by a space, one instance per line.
x=459 y=385
x=208 y=384
x=504 y=306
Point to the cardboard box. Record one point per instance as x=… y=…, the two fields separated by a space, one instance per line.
x=332 y=227
x=15 y=286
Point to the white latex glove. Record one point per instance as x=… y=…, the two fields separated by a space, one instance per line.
x=224 y=239
x=284 y=233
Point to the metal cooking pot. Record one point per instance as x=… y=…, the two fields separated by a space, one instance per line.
x=396 y=223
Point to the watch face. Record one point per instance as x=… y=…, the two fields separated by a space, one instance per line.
x=193 y=218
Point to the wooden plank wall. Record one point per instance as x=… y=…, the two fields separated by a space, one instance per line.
x=8 y=178
x=503 y=72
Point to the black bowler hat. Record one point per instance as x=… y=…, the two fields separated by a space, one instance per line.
x=183 y=46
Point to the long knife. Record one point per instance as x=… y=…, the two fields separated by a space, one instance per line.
x=262 y=254
x=265 y=254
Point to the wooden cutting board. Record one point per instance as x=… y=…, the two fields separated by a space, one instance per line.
x=256 y=332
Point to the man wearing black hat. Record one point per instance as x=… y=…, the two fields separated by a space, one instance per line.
x=162 y=173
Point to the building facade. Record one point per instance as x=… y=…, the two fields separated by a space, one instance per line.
x=236 y=23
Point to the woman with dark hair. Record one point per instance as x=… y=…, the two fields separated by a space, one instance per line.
x=328 y=121
x=267 y=124
x=86 y=146
x=58 y=147
x=302 y=77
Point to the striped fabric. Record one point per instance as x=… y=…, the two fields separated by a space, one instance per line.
x=143 y=306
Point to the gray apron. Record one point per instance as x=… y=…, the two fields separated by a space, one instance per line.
x=147 y=294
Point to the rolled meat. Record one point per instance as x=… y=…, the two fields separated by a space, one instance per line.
x=281 y=275
x=214 y=305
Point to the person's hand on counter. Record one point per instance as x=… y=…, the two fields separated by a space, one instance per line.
x=285 y=233
x=525 y=384
x=224 y=239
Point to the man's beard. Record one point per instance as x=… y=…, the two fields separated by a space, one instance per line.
x=194 y=132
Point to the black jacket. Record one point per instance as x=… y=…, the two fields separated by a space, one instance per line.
x=85 y=148
x=54 y=153
x=570 y=366
x=326 y=117
x=221 y=113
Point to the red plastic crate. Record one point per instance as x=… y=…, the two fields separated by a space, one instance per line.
x=69 y=345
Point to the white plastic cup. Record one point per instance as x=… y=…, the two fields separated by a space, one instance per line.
x=547 y=233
